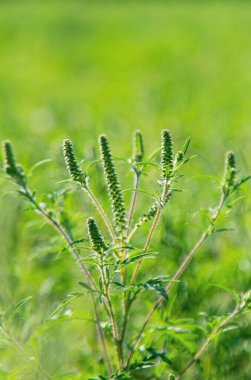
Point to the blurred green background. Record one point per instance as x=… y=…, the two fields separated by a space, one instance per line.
x=78 y=68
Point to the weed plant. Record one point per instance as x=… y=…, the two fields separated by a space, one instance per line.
x=111 y=262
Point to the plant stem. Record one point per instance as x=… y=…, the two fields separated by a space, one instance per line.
x=208 y=340
x=177 y=275
x=112 y=316
x=135 y=273
x=133 y=201
x=168 y=287
x=82 y=266
x=130 y=235
x=124 y=271
x=152 y=229
x=102 y=213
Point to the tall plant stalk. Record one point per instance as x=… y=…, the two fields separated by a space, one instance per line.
x=81 y=265
x=117 y=261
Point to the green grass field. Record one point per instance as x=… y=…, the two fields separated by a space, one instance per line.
x=77 y=69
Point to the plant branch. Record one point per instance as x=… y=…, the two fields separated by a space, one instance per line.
x=168 y=287
x=133 y=201
x=209 y=339
x=135 y=273
x=112 y=315
x=82 y=266
x=102 y=213
x=177 y=275
x=152 y=229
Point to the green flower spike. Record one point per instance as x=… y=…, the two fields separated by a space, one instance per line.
x=138 y=153
x=166 y=154
x=117 y=200
x=138 y=147
x=229 y=179
x=149 y=215
x=72 y=165
x=11 y=167
x=95 y=236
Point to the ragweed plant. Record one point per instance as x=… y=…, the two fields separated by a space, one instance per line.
x=111 y=265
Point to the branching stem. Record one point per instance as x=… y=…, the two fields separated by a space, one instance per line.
x=128 y=304
x=82 y=266
x=152 y=229
x=209 y=340
x=176 y=276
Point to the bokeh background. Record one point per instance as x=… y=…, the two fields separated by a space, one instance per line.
x=79 y=68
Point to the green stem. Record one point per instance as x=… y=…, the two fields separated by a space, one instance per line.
x=112 y=316
x=128 y=304
x=82 y=266
x=152 y=229
x=176 y=276
x=133 y=201
x=102 y=213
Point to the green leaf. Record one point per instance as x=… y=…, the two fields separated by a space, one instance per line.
x=79 y=241
x=69 y=299
x=86 y=286
x=142 y=365
x=118 y=284
x=186 y=145
x=38 y=164
x=243 y=180
x=152 y=195
x=153 y=154
x=223 y=230
x=138 y=257
x=23 y=302
x=158 y=355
